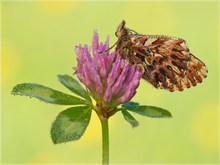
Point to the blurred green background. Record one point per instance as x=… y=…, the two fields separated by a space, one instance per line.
x=38 y=40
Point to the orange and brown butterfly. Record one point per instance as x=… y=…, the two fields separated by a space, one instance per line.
x=165 y=62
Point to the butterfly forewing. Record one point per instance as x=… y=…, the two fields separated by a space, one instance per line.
x=165 y=62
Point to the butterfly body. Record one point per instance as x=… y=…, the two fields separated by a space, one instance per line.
x=165 y=62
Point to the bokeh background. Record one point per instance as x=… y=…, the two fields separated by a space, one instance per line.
x=38 y=40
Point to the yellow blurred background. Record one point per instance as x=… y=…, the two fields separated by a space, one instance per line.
x=38 y=40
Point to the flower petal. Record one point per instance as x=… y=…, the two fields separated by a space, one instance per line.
x=127 y=95
x=95 y=43
x=121 y=78
x=108 y=95
x=114 y=73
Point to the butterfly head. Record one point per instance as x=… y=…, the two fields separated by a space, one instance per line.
x=121 y=30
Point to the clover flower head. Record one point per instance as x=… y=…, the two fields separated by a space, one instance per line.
x=110 y=79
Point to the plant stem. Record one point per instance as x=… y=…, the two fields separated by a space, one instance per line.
x=105 y=141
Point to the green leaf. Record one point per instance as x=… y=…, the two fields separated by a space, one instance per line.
x=70 y=124
x=74 y=86
x=46 y=94
x=150 y=111
x=129 y=118
x=130 y=105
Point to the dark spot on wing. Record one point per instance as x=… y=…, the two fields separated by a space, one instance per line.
x=156 y=77
x=174 y=56
x=162 y=71
x=161 y=60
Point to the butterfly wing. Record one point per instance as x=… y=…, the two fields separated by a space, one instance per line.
x=166 y=62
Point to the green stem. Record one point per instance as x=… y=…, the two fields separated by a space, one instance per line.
x=105 y=141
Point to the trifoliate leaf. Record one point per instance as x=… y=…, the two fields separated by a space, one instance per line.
x=150 y=111
x=70 y=124
x=130 y=104
x=129 y=118
x=74 y=86
x=46 y=94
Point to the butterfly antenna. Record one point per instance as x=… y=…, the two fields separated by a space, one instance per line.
x=110 y=47
x=133 y=31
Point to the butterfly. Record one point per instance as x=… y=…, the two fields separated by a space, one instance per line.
x=165 y=62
